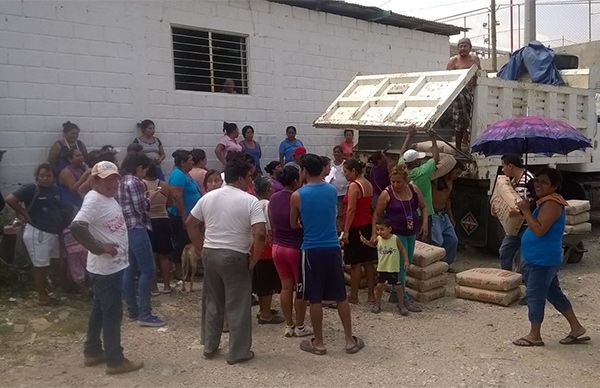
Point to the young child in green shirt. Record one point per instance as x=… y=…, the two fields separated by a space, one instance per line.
x=392 y=261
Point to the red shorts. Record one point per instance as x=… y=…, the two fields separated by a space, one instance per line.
x=287 y=262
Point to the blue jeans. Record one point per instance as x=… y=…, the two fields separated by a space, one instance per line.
x=542 y=283
x=142 y=267
x=105 y=318
x=510 y=247
x=443 y=235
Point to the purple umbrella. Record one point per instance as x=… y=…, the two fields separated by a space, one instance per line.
x=530 y=134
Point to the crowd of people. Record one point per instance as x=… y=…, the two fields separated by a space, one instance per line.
x=287 y=230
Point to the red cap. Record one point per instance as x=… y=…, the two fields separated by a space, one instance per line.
x=299 y=151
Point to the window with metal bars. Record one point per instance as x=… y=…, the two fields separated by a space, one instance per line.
x=209 y=61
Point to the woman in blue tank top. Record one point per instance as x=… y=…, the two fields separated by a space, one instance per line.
x=541 y=249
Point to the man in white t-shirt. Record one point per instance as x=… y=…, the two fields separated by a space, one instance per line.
x=233 y=221
x=100 y=227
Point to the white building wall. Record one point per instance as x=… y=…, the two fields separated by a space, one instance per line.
x=106 y=65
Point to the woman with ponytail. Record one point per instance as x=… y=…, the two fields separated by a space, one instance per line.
x=228 y=142
x=151 y=146
x=58 y=157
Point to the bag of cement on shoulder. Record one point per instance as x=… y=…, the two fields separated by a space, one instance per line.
x=504 y=206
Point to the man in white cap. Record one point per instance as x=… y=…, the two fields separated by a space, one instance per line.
x=100 y=227
x=462 y=106
x=419 y=170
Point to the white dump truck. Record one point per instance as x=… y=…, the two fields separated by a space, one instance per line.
x=381 y=107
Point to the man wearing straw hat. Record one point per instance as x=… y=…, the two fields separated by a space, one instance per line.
x=442 y=222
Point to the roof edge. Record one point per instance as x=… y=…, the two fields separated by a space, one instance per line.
x=375 y=15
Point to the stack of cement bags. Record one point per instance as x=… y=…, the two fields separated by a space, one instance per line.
x=504 y=206
x=426 y=278
x=491 y=285
x=578 y=216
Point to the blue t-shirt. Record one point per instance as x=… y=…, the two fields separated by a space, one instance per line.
x=318 y=206
x=287 y=147
x=546 y=250
x=191 y=191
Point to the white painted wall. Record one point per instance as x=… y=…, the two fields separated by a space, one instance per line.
x=107 y=64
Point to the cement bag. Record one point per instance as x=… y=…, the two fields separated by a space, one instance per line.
x=577 y=206
x=489 y=279
x=578 y=218
x=427 y=296
x=584 y=228
x=503 y=298
x=426 y=254
x=504 y=206
x=426 y=285
x=424 y=273
x=425 y=146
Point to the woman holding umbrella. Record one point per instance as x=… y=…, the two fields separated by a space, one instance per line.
x=541 y=248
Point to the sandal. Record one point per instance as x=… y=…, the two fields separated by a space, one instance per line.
x=572 y=340
x=527 y=342
x=375 y=309
x=308 y=346
x=403 y=310
x=275 y=320
x=273 y=311
x=358 y=345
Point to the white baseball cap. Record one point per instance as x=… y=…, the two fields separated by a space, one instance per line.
x=105 y=169
x=412 y=155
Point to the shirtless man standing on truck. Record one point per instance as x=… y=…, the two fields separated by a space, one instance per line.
x=462 y=106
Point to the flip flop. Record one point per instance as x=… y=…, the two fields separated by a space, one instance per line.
x=572 y=340
x=527 y=342
x=250 y=357
x=358 y=345
x=307 y=346
x=275 y=320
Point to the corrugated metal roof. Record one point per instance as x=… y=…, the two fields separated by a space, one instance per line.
x=375 y=15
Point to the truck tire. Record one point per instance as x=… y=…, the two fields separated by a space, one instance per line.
x=566 y=61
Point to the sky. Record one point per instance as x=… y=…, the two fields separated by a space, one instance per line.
x=563 y=21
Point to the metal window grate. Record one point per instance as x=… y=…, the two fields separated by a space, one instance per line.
x=204 y=60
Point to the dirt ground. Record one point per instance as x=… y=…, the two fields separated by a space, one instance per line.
x=453 y=343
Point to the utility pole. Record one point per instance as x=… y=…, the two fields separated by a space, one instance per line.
x=529 y=21
x=590 y=20
x=493 y=21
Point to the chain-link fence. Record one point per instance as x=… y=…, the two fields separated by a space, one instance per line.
x=558 y=23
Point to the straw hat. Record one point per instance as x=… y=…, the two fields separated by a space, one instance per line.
x=446 y=164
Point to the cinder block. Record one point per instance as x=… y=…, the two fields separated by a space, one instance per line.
x=74 y=108
x=110 y=80
x=59 y=61
x=13 y=139
x=119 y=95
x=88 y=93
x=40 y=75
x=11 y=7
x=39 y=9
x=88 y=31
x=89 y=63
x=74 y=77
x=27 y=123
x=41 y=107
x=25 y=57
x=104 y=109
x=58 y=92
x=39 y=139
x=24 y=90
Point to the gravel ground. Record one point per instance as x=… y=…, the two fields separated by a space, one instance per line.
x=453 y=343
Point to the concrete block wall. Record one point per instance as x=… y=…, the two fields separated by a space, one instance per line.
x=106 y=65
